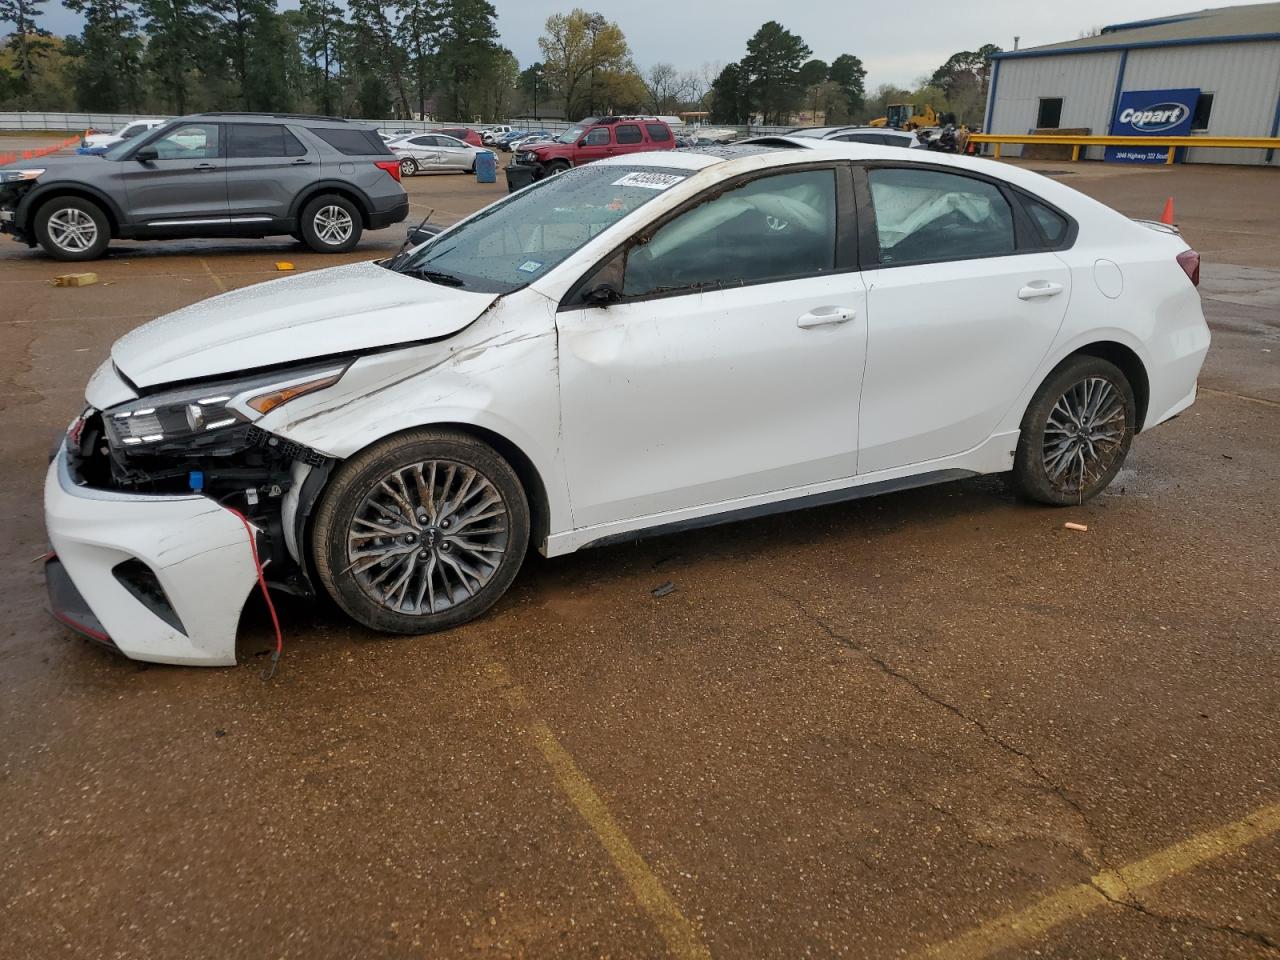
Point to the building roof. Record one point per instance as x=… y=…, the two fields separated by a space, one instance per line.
x=1259 y=21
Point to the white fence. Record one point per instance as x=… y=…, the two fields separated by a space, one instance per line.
x=114 y=121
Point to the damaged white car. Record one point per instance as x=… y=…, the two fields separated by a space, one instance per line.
x=639 y=345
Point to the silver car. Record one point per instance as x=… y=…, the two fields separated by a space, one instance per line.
x=434 y=151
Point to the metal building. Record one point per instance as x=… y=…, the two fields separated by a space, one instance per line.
x=1221 y=67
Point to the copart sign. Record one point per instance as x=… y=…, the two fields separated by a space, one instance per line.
x=1151 y=113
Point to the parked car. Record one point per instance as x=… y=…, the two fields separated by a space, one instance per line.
x=528 y=140
x=594 y=139
x=465 y=134
x=491 y=135
x=434 y=151
x=512 y=381
x=100 y=142
x=507 y=139
x=875 y=135
x=321 y=180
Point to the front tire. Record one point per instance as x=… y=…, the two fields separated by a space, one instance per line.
x=71 y=228
x=330 y=224
x=421 y=532
x=1076 y=433
x=556 y=167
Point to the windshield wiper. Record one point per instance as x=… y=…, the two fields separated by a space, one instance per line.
x=435 y=276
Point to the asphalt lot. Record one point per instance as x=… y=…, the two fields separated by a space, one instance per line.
x=934 y=723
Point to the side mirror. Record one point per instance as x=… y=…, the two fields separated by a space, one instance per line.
x=582 y=142
x=601 y=295
x=147 y=154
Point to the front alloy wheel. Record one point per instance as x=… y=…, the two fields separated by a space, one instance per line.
x=422 y=532
x=71 y=228
x=1076 y=432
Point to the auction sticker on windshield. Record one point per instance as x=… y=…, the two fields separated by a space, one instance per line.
x=650 y=181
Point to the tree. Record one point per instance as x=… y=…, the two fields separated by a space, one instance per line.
x=376 y=50
x=419 y=34
x=813 y=72
x=532 y=83
x=731 y=96
x=177 y=34
x=109 y=53
x=963 y=80
x=848 y=71
x=27 y=41
x=665 y=88
x=320 y=40
x=885 y=94
x=469 y=54
x=587 y=60
x=772 y=64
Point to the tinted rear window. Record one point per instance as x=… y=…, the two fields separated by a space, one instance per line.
x=628 y=133
x=353 y=142
x=263 y=140
x=657 y=132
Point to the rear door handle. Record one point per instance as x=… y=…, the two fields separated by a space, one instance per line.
x=301 y=162
x=202 y=167
x=821 y=316
x=1040 y=288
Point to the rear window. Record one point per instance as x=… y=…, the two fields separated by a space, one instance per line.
x=658 y=132
x=628 y=133
x=352 y=141
x=263 y=140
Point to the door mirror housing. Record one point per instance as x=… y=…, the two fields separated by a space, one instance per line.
x=601 y=295
x=146 y=154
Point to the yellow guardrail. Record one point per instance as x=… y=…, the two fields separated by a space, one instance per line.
x=1078 y=142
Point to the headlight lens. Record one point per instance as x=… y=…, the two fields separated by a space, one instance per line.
x=20 y=176
x=191 y=413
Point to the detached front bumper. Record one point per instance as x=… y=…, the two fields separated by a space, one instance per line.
x=161 y=578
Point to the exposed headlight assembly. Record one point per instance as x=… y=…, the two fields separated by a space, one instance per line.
x=20 y=176
x=192 y=413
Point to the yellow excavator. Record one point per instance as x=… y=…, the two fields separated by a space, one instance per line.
x=900 y=116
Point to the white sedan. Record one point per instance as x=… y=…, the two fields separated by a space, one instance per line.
x=643 y=344
x=434 y=151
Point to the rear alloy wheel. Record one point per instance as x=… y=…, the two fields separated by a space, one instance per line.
x=422 y=532
x=330 y=224
x=408 y=167
x=1076 y=433
x=71 y=228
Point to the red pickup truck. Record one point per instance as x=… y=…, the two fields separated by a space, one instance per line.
x=594 y=139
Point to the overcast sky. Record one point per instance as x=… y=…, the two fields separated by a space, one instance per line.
x=898 y=40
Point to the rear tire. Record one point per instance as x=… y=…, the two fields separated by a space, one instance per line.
x=421 y=532
x=72 y=228
x=330 y=224
x=1075 y=434
x=408 y=167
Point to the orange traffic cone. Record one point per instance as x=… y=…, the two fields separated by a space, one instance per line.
x=1167 y=216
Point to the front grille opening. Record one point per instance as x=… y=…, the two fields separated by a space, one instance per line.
x=141 y=581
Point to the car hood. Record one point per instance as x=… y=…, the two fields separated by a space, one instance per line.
x=346 y=309
x=67 y=166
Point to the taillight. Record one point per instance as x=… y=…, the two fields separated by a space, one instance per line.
x=1189 y=261
x=390 y=166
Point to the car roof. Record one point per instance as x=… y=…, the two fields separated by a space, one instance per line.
x=820 y=133
x=311 y=118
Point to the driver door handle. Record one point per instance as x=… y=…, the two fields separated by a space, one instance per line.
x=1039 y=288
x=205 y=166
x=301 y=162
x=822 y=316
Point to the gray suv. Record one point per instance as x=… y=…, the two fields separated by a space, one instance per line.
x=321 y=180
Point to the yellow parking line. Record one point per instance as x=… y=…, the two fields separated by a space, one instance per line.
x=1072 y=903
x=679 y=933
x=217 y=280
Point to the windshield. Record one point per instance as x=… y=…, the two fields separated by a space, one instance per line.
x=118 y=150
x=571 y=135
x=520 y=239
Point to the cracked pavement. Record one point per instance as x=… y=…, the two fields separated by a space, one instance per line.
x=866 y=730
